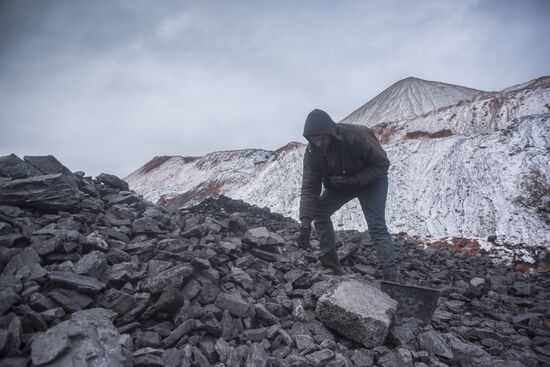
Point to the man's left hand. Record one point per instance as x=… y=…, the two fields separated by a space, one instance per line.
x=343 y=181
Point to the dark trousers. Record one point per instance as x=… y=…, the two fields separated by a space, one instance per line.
x=373 y=202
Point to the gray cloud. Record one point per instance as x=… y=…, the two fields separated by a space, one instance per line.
x=105 y=86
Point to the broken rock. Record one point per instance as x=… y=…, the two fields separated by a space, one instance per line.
x=260 y=236
x=358 y=311
x=12 y=166
x=79 y=283
x=48 y=192
x=113 y=181
x=174 y=276
x=87 y=336
x=47 y=165
x=434 y=343
x=234 y=303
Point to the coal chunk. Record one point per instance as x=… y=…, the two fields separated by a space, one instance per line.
x=48 y=192
x=13 y=167
x=47 y=165
x=87 y=333
x=113 y=181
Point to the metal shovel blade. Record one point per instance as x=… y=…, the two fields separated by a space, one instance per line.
x=414 y=301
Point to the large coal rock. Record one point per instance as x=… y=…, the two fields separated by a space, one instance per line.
x=47 y=164
x=88 y=338
x=357 y=310
x=113 y=181
x=48 y=192
x=80 y=283
x=13 y=167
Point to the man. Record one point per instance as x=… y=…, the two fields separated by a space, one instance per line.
x=350 y=163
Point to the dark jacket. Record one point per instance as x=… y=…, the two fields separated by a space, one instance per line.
x=354 y=152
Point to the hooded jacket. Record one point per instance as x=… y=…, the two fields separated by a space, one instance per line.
x=354 y=152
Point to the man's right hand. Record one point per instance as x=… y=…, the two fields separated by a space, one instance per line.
x=304 y=237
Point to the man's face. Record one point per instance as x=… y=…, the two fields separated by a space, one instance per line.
x=321 y=141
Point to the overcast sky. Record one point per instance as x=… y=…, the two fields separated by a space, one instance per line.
x=107 y=85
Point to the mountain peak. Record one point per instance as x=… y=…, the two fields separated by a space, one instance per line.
x=411 y=78
x=407 y=98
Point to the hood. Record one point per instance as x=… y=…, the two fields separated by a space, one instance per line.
x=319 y=122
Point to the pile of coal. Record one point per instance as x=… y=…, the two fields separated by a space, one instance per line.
x=92 y=274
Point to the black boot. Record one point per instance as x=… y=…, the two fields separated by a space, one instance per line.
x=330 y=260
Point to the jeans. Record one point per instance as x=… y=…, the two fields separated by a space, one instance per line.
x=373 y=202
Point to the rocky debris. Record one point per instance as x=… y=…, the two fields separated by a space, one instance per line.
x=358 y=311
x=47 y=192
x=88 y=338
x=261 y=237
x=113 y=181
x=237 y=224
x=8 y=298
x=48 y=165
x=90 y=271
x=13 y=167
x=80 y=283
x=96 y=240
x=435 y=344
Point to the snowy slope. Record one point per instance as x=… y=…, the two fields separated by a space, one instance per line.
x=468 y=185
x=215 y=173
x=483 y=114
x=465 y=184
x=408 y=98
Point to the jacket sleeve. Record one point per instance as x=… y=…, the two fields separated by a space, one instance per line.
x=311 y=188
x=373 y=156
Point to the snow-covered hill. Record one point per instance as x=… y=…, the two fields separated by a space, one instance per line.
x=408 y=98
x=470 y=183
x=242 y=174
x=485 y=113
